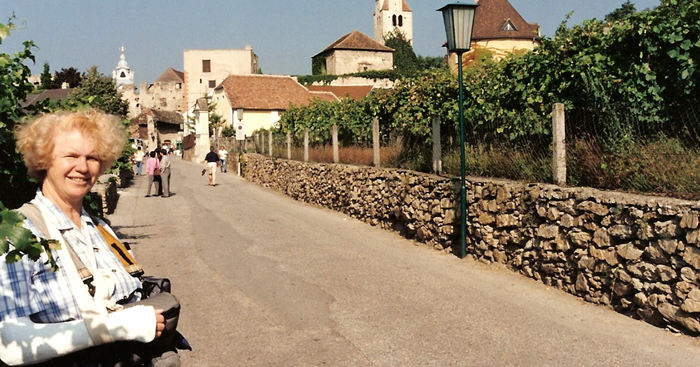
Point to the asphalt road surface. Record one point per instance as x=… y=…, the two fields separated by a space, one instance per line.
x=268 y=281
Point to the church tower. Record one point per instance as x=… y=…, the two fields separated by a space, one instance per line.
x=390 y=15
x=122 y=75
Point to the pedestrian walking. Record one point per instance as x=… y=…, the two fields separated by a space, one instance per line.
x=138 y=159
x=222 y=158
x=152 y=170
x=165 y=172
x=211 y=160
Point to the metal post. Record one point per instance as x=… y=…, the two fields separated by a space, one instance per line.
x=463 y=191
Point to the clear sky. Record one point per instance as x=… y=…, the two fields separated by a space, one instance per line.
x=284 y=34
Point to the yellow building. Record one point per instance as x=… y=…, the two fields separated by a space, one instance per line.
x=257 y=101
x=499 y=28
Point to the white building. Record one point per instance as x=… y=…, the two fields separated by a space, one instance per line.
x=123 y=75
x=390 y=15
x=204 y=70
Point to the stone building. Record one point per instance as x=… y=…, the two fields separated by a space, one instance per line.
x=206 y=69
x=156 y=127
x=499 y=28
x=166 y=94
x=390 y=15
x=354 y=52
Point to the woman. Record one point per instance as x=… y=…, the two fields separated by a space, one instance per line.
x=66 y=153
x=151 y=165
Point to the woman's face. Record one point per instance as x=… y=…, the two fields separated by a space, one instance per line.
x=73 y=169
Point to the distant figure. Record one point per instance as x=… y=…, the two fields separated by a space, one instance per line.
x=138 y=158
x=222 y=157
x=165 y=173
x=151 y=165
x=210 y=163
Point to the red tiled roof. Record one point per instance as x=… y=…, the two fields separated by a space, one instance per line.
x=357 y=40
x=264 y=92
x=354 y=92
x=492 y=15
x=171 y=76
x=325 y=96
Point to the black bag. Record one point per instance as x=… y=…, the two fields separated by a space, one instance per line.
x=155 y=292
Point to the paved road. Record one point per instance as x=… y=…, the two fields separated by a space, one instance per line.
x=268 y=281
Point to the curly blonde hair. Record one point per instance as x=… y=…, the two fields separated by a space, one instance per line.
x=36 y=137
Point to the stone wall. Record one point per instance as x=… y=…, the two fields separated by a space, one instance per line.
x=639 y=255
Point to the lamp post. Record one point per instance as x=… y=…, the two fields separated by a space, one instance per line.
x=459 y=23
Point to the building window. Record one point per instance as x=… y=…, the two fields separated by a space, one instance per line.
x=212 y=84
x=122 y=75
x=508 y=26
x=206 y=66
x=393 y=20
x=400 y=20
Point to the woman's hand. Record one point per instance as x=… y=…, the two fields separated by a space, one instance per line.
x=160 y=322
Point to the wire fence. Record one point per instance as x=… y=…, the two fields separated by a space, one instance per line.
x=611 y=150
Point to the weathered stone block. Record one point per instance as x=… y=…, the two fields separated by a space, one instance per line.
x=621 y=231
x=601 y=238
x=548 y=231
x=691 y=255
x=690 y=221
x=669 y=246
x=629 y=252
x=676 y=315
x=668 y=229
x=692 y=303
x=608 y=255
x=595 y=208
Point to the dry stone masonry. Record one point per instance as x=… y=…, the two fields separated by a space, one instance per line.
x=639 y=255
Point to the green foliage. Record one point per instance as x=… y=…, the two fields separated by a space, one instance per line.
x=326 y=79
x=16 y=187
x=17 y=241
x=405 y=60
x=46 y=77
x=318 y=65
x=431 y=62
x=98 y=91
x=71 y=76
x=622 y=12
x=228 y=132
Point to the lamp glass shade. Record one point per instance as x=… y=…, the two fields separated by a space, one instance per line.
x=459 y=24
x=239 y=113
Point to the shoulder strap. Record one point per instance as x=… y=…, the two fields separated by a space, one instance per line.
x=33 y=213
x=120 y=251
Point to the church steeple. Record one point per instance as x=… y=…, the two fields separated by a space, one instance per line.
x=390 y=15
x=123 y=75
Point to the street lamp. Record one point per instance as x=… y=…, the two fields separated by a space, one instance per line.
x=459 y=23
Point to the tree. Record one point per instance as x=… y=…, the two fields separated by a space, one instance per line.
x=431 y=62
x=71 y=76
x=405 y=60
x=46 y=77
x=99 y=91
x=16 y=187
x=622 y=12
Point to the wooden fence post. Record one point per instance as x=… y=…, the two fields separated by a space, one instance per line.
x=262 y=143
x=437 y=146
x=336 y=154
x=306 y=144
x=269 y=135
x=289 y=144
x=559 y=140
x=375 y=142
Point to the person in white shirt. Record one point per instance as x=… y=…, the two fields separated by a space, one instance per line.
x=222 y=157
